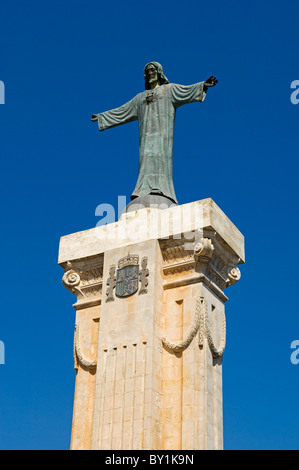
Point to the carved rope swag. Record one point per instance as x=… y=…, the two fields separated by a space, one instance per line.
x=201 y=326
x=85 y=363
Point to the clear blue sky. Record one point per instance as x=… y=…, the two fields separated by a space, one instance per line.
x=61 y=62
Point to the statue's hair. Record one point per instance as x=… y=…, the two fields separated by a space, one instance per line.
x=161 y=77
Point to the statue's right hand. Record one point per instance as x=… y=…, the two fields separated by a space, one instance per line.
x=211 y=81
x=94 y=117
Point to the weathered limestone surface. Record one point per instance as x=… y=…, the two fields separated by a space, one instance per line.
x=149 y=365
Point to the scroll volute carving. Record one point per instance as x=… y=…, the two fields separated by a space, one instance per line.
x=203 y=250
x=71 y=281
x=217 y=265
x=233 y=275
x=84 y=279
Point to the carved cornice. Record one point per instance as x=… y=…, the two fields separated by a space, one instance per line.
x=216 y=261
x=206 y=258
x=178 y=257
x=84 y=278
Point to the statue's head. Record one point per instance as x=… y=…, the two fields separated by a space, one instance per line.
x=154 y=71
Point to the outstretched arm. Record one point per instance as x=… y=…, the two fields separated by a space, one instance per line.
x=182 y=94
x=117 y=116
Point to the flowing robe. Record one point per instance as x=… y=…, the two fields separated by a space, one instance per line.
x=155 y=110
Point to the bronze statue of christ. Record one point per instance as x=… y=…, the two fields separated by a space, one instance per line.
x=155 y=110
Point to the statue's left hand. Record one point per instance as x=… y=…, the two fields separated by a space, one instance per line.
x=211 y=81
x=94 y=117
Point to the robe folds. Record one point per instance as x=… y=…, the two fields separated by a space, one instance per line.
x=155 y=111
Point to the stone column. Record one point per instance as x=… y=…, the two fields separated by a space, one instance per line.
x=194 y=340
x=84 y=277
x=128 y=384
x=150 y=327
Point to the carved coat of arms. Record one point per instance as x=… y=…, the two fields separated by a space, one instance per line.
x=127 y=278
x=127 y=281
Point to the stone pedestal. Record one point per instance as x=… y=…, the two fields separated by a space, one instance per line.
x=150 y=327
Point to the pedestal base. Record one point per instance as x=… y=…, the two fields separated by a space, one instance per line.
x=150 y=327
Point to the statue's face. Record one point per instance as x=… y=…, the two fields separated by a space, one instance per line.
x=151 y=73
